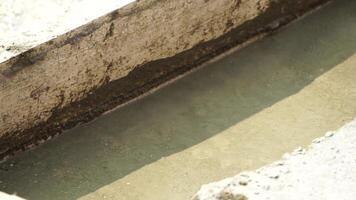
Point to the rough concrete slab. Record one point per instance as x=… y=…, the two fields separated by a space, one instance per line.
x=236 y=114
x=4 y=196
x=25 y=24
x=325 y=170
x=85 y=72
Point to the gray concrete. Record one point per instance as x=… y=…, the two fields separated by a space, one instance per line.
x=76 y=76
x=325 y=170
x=25 y=24
x=236 y=114
x=4 y=196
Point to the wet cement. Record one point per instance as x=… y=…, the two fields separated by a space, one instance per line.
x=236 y=114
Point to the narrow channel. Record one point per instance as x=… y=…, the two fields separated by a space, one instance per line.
x=238 y=113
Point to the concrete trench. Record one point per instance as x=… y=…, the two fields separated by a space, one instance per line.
x=77 y=76
x=237 y=113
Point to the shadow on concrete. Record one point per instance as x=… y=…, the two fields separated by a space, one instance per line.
x=187 y=112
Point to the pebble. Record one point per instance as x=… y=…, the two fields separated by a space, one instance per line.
x=274 y=176
x=318 y=140
x=279 y=163
x=329 y=134
x=298 y=151
x=243 y=182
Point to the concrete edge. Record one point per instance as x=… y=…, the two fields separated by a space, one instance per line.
x=297 y=174
x=111 y=92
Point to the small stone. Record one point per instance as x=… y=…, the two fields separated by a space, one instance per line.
x=279 y=163
x=329 y=134
x=228 y=196
x=275 y=176
x=243 y=179
x=298 y=151
x=318 y=140
x=243 y=182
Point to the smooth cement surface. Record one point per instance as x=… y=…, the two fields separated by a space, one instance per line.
x=236 y=114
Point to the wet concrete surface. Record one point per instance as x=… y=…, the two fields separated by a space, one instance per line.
x=236 y=114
